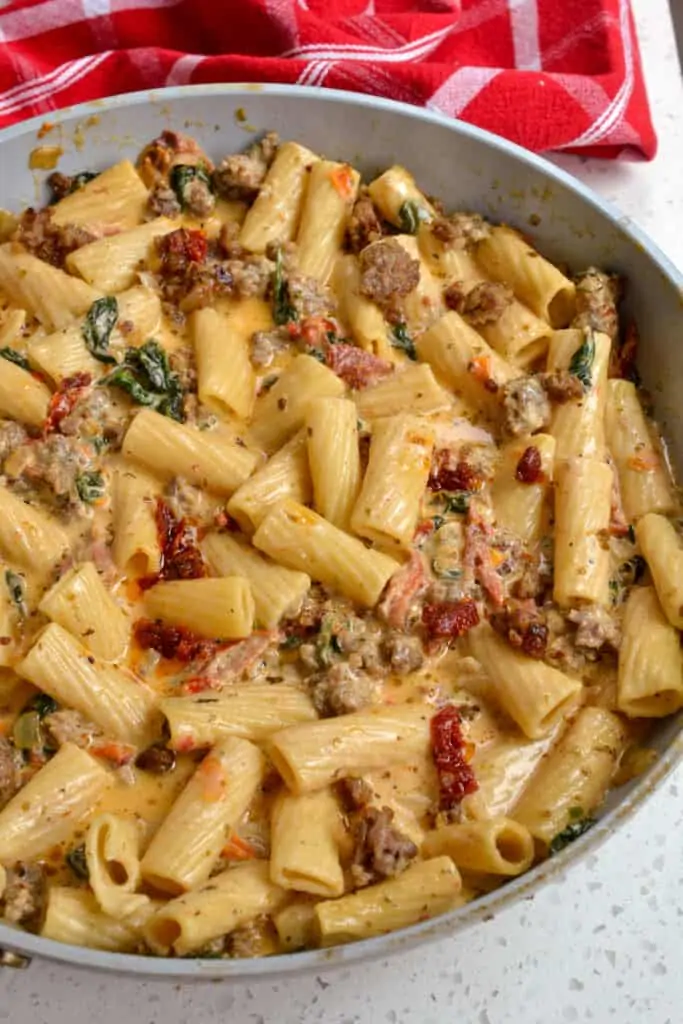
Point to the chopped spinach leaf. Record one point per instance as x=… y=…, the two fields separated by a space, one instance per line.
x=411 y=215
x=146 y=376
x=581 y=364
x=438 y=522
x=570 y=834
x=457 y=501
x=317 y=353
x=97 y=327
x=42 y=704
x=76 y=860
x=283 y=310
x=15 y=357
x=90 y=486
x=17 y=591
x=401 y=339
x=332 y=337
x=183 y=175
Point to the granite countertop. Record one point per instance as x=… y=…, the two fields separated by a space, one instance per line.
x=601 y=945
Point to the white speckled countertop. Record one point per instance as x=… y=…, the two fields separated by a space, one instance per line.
x=601 y=945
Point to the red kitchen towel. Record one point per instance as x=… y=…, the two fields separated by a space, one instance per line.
x=549 y=74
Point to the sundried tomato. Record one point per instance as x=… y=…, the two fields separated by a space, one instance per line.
x=179 y=248
x=181 y=559
x=456 y=777
x=173 y=641
x=448 y=474
x=529 y=468
x=64 y=400
x=449 y=619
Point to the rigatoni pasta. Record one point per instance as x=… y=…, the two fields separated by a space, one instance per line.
x=387 y=508
x=52 y=805
x=334 y=458
x=184 y=851
x=300 y=539
x=339 y=554
x=172 y=449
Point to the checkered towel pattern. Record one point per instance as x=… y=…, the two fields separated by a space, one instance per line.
x=549 y=74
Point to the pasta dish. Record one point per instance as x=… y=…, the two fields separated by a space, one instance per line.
x=340 y=569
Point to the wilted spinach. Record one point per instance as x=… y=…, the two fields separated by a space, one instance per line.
x=100 y=321
x=146 y=376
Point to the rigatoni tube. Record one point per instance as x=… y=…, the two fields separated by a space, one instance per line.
x=496 y=846
x=366 y=321
x=253 y=711
x=414 y=388
x=218 y=907
x=663 y=551
x=80 y=603
x=282 y=410
x=52 y=804
x=423 y=890
x=397 y=197
x=124 y=708
x=286 y=474
x=573 y=778
x=578 y=425
x=334 y=457
x=47 y=292
x=583 y=501
x=465 y=362
x=185 y=849
x=29 y=536
x=274 y=216
x=643 y=477
x=135 y=546
x=110 y=264
x=305 y=833
x=505 y=256
x=313 y=755
x=331 y=193
x=22 y=397
x=535 y=695
x=650 y=679
x=74 y=916
x=172 y=449
x=222 y=609
x=276 y=590
x=116 y=197
x=225 y=376
x=112 y=855
x=388 y=505
x=518 y=502
x=303 y=540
